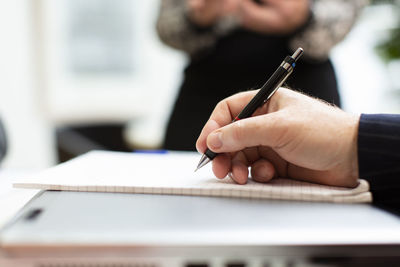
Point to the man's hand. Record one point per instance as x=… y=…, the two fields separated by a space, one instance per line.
x=291 y=136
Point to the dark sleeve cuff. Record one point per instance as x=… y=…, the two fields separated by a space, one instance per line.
x=379 y=155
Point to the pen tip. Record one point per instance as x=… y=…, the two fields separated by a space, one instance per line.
x=203 y=161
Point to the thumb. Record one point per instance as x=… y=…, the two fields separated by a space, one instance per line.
x=264 y=130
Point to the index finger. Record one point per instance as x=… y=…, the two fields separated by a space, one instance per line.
x=223 y=114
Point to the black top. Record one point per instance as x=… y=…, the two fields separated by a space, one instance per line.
x=379 y=156
x=241 y=61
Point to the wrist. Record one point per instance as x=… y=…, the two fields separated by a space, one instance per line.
x=346 y=145
x=354 y=125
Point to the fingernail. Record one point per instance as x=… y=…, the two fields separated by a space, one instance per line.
x=214 y=140
x=262 y=173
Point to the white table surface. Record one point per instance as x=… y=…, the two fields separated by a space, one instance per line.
x=13 y=199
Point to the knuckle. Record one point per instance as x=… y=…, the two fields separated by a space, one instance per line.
x=238 y=133
x=220 y=104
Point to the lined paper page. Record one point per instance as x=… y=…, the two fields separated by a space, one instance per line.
x=173 y=173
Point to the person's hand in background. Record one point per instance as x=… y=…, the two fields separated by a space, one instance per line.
x=207 y=12
x=292 y=136
x=273 y=16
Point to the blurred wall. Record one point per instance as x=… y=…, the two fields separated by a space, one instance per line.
x=39 y=91
x=29 y=134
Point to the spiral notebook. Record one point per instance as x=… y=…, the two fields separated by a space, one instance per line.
x=173 y=173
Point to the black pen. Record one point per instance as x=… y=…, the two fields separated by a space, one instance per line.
x=265 y=93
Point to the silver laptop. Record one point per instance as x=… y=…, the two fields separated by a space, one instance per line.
x=80 y=229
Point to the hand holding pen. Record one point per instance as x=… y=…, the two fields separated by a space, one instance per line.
x=265 y=92
x=292 y=136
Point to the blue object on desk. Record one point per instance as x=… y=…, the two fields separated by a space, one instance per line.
x=151 y=151
x=3 y=142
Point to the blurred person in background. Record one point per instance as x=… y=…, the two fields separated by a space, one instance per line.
x=235 y=45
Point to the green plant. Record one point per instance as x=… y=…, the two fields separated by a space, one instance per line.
x=389 y=49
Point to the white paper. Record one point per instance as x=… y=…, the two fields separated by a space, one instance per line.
x=173 y=173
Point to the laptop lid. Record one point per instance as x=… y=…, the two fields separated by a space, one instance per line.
x=79 y=223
